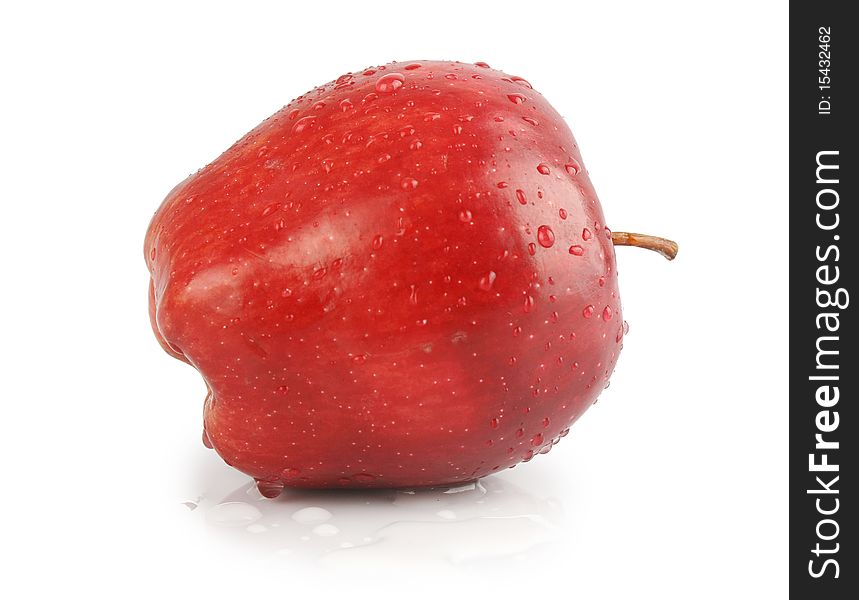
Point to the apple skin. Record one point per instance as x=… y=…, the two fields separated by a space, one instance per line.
x=403 y=278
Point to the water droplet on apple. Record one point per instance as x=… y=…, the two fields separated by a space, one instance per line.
x=346 y=104
x=413 y=294
x=465 y=215
x=458 y=337
x=282 y=390
x=520 y=196
x=573 y=167
x=532 y=248
x=586 y=234
x=269 y=209
x=606 y=314
x=546 y=422
x=481 y=64
x=543 y=169
x=537 y=439
x=562 y=213
x=304 y=123
x=521 y=81
x=516 y=98
x=588 y=311
x=545 y=236
x=409 y=183
x=486 y=281
x=528 y=304
x=269 y=489
x=576 y=250
x=390 y=83
x=625 y=328
x=520 y=432
x=412 y=67
x=531 y=121
x=377 y=242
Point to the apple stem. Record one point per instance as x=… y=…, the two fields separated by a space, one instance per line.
x=666 y=248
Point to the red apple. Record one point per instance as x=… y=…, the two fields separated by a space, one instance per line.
x=402 y=278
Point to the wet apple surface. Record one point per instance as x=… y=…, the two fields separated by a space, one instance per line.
x=403 y=278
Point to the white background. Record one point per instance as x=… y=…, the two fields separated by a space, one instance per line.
x=673 y=486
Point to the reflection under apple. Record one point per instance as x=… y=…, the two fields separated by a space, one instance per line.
x=486 y=519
